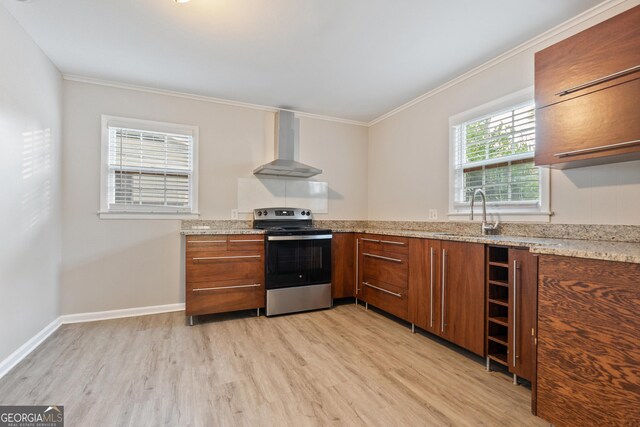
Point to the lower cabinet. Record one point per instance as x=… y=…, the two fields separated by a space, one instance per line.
x=343 y=265
x=462 y=295
x=446 y=281
x=425 y=282
x=512 y=280
x=383 y=271
x=588 y=362
x=523 y=282
x=224 y=273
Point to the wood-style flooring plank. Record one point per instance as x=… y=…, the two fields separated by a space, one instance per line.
x=344 y=367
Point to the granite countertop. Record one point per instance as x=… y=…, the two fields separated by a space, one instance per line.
x=592 y=249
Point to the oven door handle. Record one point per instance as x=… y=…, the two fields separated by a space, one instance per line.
x=309 y=237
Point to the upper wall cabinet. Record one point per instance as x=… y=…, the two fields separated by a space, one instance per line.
x=587 y=91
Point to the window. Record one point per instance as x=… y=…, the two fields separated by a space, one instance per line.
x=493 y=148
x=148 y=168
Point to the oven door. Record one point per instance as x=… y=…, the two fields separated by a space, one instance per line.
x=297 y=260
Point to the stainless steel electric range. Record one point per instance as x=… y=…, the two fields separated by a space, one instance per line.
x=297 y=260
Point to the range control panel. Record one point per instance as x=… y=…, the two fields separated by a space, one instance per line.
x=282 y=213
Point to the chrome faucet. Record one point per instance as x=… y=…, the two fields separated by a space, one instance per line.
x=485 y=227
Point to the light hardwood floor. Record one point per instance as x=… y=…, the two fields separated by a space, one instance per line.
x=344 y=366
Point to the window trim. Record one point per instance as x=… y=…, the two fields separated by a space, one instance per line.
x=152 y=212
x=530 y=212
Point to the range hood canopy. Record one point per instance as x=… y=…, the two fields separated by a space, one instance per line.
x=287 y=134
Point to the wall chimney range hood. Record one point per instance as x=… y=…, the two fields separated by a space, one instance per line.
x=287 y=134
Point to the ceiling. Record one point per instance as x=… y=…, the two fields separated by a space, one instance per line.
x=355 y=59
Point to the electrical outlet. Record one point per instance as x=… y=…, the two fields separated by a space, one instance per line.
x=234 y=213
x=433 y=213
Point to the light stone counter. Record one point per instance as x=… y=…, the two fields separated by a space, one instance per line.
x=605 y=248
x=593 y=249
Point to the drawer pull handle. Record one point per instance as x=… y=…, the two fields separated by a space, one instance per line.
x=431 y=270
x=444 y=284
x=247 y=241
x=382 y=257
x=597 y=149
x=207 y=241
x=357 y=267
x=370 y=240
x=382 y=290
x=598 y=81
x=391 y=242
x=255 y=285
x=226 y=257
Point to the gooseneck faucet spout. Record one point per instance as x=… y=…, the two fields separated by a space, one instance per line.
x=485 y=227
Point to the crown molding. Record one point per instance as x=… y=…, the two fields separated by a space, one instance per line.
x=541 y=38
x=185 y=95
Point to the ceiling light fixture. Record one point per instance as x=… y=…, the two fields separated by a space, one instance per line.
x=181 y=1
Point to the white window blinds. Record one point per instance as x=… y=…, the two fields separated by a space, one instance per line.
x=495 y=153
x=149 y=171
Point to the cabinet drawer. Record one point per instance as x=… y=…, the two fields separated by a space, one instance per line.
x=389 y=268
x=390 y=244
x=245 y=242
x=387 y=297
x=214 y=243
x=203 y=300
x=590 y=127
x=224 y=267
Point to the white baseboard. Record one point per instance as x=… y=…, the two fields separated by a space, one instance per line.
x=17 y=356
x=117 y=314
x=23 y=351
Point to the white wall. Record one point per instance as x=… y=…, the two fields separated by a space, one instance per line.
x=114 y=264
x=30 y=105
x=409 y=155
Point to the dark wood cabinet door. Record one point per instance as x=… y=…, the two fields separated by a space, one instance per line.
x=602 y=50
x=585 y=130
x=588 y=364
x=463 y=295
x=358 y=291
x=424 y=284
x=587 y=89
x=343 y=265
x=523 y=286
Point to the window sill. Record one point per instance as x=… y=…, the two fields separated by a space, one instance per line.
x=147 y=215
x=504 y=216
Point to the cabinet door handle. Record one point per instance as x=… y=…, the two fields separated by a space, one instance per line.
x=192 y=242
x=382 y=289
x=370 y=240
x=391 y=242
x=208 y=258
x=431 y=287
x=515 y=308
x=598 y=149
x=247 y=241
x=357 y=267
x=444 y=284
x=386 y=258
x=598 y=81
x=255 y=285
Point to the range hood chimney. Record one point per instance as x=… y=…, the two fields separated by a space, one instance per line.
x=286 y=145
